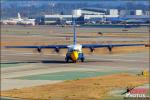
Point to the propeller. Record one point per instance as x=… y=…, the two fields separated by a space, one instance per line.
x=57 y=50
x=39 y=50
x=110 y=48
x=92 y=49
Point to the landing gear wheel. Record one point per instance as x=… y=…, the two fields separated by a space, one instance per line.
x=75 y=61
x=67 y=60
x=82 y=60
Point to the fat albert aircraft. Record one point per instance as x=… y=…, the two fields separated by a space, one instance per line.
x=74 y=52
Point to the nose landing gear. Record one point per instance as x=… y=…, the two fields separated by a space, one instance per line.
x=80 y=57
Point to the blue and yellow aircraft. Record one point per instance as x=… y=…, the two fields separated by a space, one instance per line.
x=74 y=52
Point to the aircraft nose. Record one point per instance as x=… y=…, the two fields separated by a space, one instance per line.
x=74 y=55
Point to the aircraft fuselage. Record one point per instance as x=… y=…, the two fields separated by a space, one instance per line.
x=75 y=53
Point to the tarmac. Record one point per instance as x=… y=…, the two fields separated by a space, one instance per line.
x=26 y=68
x=35 y=64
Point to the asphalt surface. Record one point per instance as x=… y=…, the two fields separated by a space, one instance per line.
x=16 y=64
x=34 y=64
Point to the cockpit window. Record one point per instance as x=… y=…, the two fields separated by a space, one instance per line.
x=76 y=50
x=71 y=50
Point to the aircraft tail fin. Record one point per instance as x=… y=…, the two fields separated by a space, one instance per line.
x=74 y=31
x=19 y=16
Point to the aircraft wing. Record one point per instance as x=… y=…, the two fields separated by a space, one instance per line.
x=109 y=46
x=56 y=47
x=41 y=47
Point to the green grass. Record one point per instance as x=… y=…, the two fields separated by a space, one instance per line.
x=66 y=75
x=8 y=65
x=3 y=98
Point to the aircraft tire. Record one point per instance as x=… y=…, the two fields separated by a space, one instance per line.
x=82 y=60
x=67 y=60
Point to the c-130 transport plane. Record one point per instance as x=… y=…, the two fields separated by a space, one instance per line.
x=74 y=52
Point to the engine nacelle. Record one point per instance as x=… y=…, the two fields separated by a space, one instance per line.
x=110 y=48
x=92 y=49
x=39 y=50
x=57 y=50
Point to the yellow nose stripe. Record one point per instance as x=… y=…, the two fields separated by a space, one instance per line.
x=74 y=55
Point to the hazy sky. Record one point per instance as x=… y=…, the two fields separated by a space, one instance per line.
x=10 y=8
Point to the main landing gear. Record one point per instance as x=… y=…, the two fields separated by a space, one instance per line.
x=67 y=60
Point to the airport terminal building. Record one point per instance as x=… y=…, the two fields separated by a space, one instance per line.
x=93 y=16
x=81 y=16
x=58 y=19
